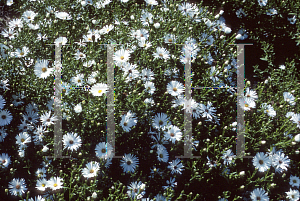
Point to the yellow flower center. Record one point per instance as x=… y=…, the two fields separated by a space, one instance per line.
x=79 y=81
x=22 y=140
x=91 y=171
x=174 y=89
x=170 y=40
x=99 y=91
x=160 y=54
x=43 y=185
x=44 y=69
x=103 y=151
x=267 y=111
x=121 y=57
x=55 y=185
x=81 y=55
x=29 y=17
x=246 y=105
x=22 y=53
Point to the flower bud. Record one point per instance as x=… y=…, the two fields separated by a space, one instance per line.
x=242 y=173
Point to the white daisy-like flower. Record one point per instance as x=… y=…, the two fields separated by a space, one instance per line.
x=170 y=183
x=33 y=27
x=259 y=194
x=147 y=75
x=162 y=154
x=292 y=19
x=78 y=80
x=262 y=162
x=55 y=183
x=144 y=43
x=79 y=55
x=170 y=38
x=246 y=104
x=207 y=111
x=23 y=138
x=262 y=2
x=121 y=56
x=146 y=18
x=47 y=120
x=288 y=97
x=175 y=166
x=41 y=184
x=80 y=43
x=293 y=195
x=89 y=64
x=251 y=94
x=103 y=150
x=151 y=2
x=160 y=197
x=282 y=67
x=295 y=118
x=160 y=120
x=10 y=33
x=228 y=157
x=41 y=172
x=127 y=122
x=106 y=29
x=22 y=53
x=129 y=163
x=63 y=15
x=78 y=108
x=161 y=53
x=173 y=133
x=289 y=114
x=91 y=169
x=280 y=162
x=72 y=141
x=17 y=186
x=99 y=89
x=102 y=4
x=61 y=40
x=9 y=2
x=5 y=117
x=4 y=83
x=294 y=181
x=4 y=160
x=39 y=134
x=29 y=16
x=270 y=111
x=41 y=69
x=175 y=88
x=297 y=138
x=136 y=190
x=149 y=87
x=272 y=11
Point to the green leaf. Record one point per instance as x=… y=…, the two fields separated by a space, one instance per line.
x=264 y=59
